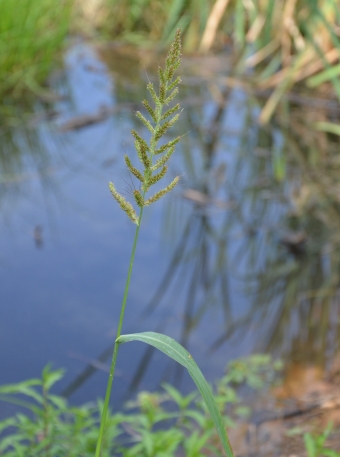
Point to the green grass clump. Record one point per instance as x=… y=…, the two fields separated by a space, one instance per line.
x=32 y=34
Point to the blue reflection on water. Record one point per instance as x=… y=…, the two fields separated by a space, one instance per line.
x=65 y=244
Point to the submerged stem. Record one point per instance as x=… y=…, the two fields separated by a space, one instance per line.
x=116 y=346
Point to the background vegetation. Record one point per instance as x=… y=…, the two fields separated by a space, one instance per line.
x=285 y=41
x=32 y=34
x=53 y=428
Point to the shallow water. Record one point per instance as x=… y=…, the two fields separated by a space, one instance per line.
x=217 y=265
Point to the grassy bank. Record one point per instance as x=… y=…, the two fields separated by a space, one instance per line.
x=32 y=34
x=285 y=41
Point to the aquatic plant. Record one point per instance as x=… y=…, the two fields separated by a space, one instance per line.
x=148 y=152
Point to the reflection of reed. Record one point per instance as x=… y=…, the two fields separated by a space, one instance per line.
x=298 y=285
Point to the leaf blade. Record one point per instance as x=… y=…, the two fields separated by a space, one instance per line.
x=172 y=349
x=328 y=127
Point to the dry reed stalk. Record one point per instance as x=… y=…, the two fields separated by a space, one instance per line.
x=273 y=81
x=310 y=68
x=256 y=28
x=331 y=56
x=213 y=21
x=262 y=54
x=281 y=88
x=286 y=39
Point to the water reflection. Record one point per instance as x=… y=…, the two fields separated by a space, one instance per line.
x=244 y=257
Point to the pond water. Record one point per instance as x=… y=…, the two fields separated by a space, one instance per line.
x=243 y=256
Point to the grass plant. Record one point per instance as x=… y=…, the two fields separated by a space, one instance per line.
x=32 y=34
x=154 y=157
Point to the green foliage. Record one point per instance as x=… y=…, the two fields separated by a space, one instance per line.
x=328 y=127
x=285 y=41
x=174 y=350
x=155 y=21
x=254 y=371
x=52 y=428
x=315 y=444
x=155 y=424
x=32 y=32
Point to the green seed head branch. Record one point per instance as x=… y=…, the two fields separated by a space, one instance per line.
x=159 y=123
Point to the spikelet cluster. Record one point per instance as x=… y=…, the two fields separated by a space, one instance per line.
x=154 y=157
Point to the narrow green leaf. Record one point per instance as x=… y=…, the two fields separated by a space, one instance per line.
x=171 y=348
x=324 y=76
x=309 y=445
x=50 y=377
x=240 y=17
x=174 y=14
x=328 y=127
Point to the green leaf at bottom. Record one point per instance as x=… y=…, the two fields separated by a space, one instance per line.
x=171 y=348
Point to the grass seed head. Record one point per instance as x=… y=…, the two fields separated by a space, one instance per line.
x=124 y=204
x=158 y=127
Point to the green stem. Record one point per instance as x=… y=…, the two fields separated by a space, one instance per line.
x=127 y=285
x=116 y=346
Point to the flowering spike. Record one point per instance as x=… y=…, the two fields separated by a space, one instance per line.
x=171 y=96
x=156 y=178
x=161 y=75
x=174 y=83
x=125 y=205
x=174 y=56
x=162 y=192
x=133 y=170
x=153 y=94
x=158 y=125
x=170 y=111
x=160 y=162
x=145 y=121
x=144 y=158
x=162 y=93
x=140 y=140
x=150 y=110
x=168 y=145
x=139 y=198
x=164 y=127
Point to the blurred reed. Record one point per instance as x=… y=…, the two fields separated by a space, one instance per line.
x=285 y=41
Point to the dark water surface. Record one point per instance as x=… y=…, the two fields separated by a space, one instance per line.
x=241 y=257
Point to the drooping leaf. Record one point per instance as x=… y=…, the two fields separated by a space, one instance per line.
x=328 y=127
x=323 y=76
x=172 y=349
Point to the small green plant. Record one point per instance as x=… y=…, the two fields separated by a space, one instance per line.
x=315 y=444
x=154 y=158
x=157 y=424
x=52 y=428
